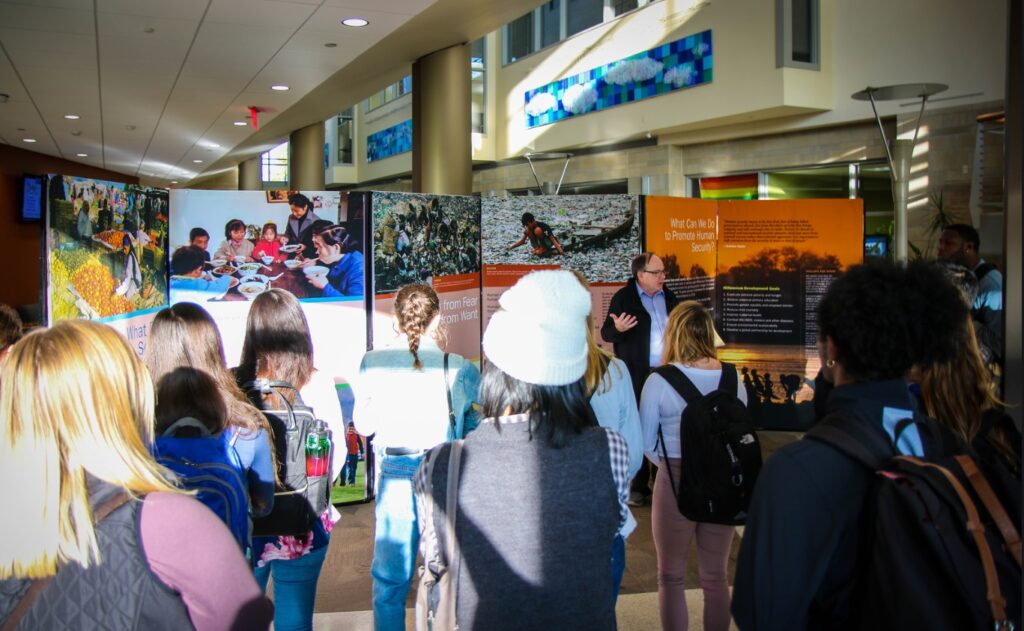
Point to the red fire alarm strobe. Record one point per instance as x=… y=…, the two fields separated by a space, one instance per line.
x=254 y=116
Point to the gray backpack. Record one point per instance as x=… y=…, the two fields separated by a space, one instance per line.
x=439 y=575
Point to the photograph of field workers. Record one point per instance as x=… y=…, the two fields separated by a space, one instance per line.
x=107 y=248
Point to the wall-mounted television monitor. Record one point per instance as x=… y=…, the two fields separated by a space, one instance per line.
x=876 y=246
x=33 y=196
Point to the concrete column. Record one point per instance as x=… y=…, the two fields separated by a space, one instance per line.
x=306 y=158
x=250 y=176
x=442 y=151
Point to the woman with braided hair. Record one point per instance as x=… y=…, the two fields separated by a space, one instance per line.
x=412 y=396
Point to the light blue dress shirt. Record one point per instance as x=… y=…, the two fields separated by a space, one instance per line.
x=655 y=306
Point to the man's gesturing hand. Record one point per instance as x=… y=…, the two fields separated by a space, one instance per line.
x=623 y=322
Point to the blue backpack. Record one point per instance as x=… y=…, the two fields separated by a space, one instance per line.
x=209 y=465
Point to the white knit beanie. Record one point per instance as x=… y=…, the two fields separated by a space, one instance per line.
x=539 y=336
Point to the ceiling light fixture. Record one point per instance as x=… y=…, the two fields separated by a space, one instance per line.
x=198 y=161
x=354 y=22
x=174 y=181
x=82 y=155
x=72 y=117
x=279 y=87
x=241 y=124
x=28 y=139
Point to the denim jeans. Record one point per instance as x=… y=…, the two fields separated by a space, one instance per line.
x=348 y=472
x=618 y=564
x=294 y=589
x=395 y=543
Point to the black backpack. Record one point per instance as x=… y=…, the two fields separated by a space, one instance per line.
x=721 y=454
x=299 y=500
x=939 y=550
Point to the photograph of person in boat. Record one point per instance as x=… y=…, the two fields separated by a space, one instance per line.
x=596 y=234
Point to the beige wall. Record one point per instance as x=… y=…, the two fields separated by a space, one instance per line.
x=746 y=84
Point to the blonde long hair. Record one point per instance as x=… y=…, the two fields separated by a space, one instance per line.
x=74 y=399
x=959 y=391
x=599 y=360
x=689 y=334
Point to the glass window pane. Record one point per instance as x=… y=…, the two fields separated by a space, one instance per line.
x=550 y=23
x=823 y=183
x=519 y=37
x=582 y=14
x=803 y=42
x=622 y=6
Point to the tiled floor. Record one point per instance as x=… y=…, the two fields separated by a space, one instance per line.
x=344 y=592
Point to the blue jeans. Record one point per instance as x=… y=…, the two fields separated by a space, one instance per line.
x=294 y=589
x=395 y=542
x=618 y=565
x=348 y=472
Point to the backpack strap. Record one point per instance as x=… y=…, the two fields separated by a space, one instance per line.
x=680 y=382
x=448 y=393
x=982 y=270
x=856 y=440
x=988 y=497
x=664 y=456
x=993 y=593
x=39 y=586
x=453 y=553
x=729 y=382
x=182 y=423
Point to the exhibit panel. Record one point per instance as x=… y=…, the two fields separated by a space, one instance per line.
x=105 y=253
x=597 y=235
x=776 y=259
x=683 y=233
x=430 y=239
x=761 y=267
x=275 y=249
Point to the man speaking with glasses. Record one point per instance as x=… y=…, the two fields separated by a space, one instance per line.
x=635 y=325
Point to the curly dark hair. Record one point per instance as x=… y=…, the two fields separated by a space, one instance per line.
x=884 y=319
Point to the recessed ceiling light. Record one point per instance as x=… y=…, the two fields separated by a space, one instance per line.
x=279 y=88
x=28 y=139
x=209 y=145
x=174 y=181
x=241 y=124
x=197 y=161
x=330 y=45
x=354 y=22
x=72 y=117
x=82 y=155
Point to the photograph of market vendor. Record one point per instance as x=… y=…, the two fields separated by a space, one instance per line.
x=200 y=238
x=235 y=244
x=339 y=253
x=188 y=282
x=300 y=224
x=542 y=239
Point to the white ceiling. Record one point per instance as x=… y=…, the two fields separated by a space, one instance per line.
x=158 y=84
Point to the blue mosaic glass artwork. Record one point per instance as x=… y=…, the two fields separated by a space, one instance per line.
x=684 y=63
x=389 y=142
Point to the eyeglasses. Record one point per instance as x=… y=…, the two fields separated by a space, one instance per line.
x=655 y=272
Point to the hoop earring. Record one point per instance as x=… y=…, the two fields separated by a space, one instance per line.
x=831 y=363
